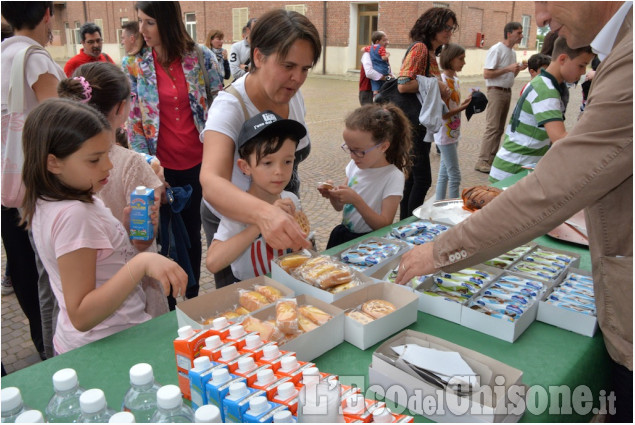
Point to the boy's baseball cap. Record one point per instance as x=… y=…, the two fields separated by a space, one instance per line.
x=477 y=104
x=271 y=122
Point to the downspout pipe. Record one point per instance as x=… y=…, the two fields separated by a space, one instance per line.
x=324 y=6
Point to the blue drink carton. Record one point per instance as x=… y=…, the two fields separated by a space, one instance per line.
x=140 y=224
x=236 y=403
x=261 y=410
x=218 y=387
x=199 y=375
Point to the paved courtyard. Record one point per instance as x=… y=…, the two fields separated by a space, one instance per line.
x=328 y=100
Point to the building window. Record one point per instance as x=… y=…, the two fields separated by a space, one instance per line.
x=437 y=4
x=300 y=8
x=78 y=36
x=100 y=24
x=526 y=22
x=190 y=24
x=240 y=16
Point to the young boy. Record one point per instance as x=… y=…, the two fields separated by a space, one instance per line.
x=266 y=147
x=538 y=118
x=379 y=57
x=535 y=63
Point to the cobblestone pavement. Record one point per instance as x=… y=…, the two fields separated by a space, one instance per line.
x=328 y=99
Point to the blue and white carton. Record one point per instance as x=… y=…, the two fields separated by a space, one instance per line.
x=141 y=200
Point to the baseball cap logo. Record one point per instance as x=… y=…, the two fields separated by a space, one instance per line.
x=268 y=118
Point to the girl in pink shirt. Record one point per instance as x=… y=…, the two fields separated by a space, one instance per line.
x=93 y=269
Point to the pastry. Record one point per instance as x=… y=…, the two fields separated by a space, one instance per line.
x=293 y=261
x=303 y=221
x=341 y=288
x=476 y=197
x=265 y=329
x=378 y=308
x=360 y=316
x=287 y=316
x=305 y=324
x=252 y=300
x=241 y=311
x=314 y=314
x=271 y=293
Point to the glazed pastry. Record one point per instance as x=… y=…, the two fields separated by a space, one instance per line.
x=378 y=308
x=303 y=221
x=287 y=316
x=314 y=314
x=293 y=261
x=252 y=300
x=360 y=316
x=271 y=293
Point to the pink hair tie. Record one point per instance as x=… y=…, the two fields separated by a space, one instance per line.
x=88 y=91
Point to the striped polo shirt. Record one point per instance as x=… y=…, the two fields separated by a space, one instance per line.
x=526 y=139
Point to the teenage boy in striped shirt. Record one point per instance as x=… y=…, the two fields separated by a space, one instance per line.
x=538 y=120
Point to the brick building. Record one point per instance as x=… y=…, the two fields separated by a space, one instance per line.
x=345 y=26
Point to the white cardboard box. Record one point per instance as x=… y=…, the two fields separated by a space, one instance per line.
x=363 y=336
x=403 y=247
x=386 y=268
x=499 y=399
x=300 y=287
x=194 y=311
x=440 y=307
x=551 y=282
x=579 y=323
x=310 y=345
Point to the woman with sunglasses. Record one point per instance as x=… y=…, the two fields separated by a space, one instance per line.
x=429 y=34
x=215 y=44
x=169 y=108
x=377 y=137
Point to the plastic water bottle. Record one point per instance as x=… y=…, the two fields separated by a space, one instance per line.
x=64 y=405
x=170 y=407
x=30 y=417
x=141 y=398
x=208 y=414
x=94 y=408
x=11 y=404
x=122 y=418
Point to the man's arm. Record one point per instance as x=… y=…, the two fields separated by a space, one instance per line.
x=494 y=73
x=368 y=68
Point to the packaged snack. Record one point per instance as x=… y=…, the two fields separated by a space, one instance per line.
x=360 y=316
x=265 y=329
x=271 y=293
x=341 y=288
x=378 y=308
x=287 y=316
x=314 y=314
x=241 y=311
x=293 y=261
x=252 y=300
x=305 y=324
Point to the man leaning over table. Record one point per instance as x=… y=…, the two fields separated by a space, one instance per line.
x=591 y=168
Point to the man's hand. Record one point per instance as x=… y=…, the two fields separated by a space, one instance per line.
x=418 y=261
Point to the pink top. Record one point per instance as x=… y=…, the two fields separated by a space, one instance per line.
x=178 y=146
x=62 y=227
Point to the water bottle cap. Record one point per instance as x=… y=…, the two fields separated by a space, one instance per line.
x=270 y=352
x=207 y=414
x=64 y=379
x=212 y=342
x=228 y=353
x=122 y=418
x=141 y=374
x=236 y=331
x=382 y=414
x=140 y=190
x=220 y=323
x=92 y=401
x=10 y=399
x=258 y=404
x=283 y=416
x=220 y=375
x=30 y=417
x=245 y=364
x=238 y=389
x=286 y=391
x=288 y=363
x=185 y=332
x=169 y=397
x=253 y=341
x=265 y=376
x=202 y=363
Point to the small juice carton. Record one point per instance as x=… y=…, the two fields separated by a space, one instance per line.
x=287 y=395
x=267 y=381
x=384 y=415
x=272 y=355
x=255 y=345
x=214 y=347
x=199 y=375
x=248 y=369
x=141 y=228
x=230 y=357
x=238 y=335
x=218 y=387
x=357 y=407
x=220 y=327
x=291 y=367
x=187 y=347
x=261 y=410
x=236 y=402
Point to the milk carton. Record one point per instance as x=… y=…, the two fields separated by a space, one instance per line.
x=141 y=228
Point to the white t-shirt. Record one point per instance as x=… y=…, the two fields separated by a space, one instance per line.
x=38 y=63
x=62 y=227
x=256 y=260
x=373 y=185
x=500 y=56
x=226 y=116
x=238 y=54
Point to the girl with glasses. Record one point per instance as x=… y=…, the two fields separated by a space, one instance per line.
x=377 y=137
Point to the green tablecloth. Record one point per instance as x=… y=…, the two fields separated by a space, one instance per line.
x=548 y=356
